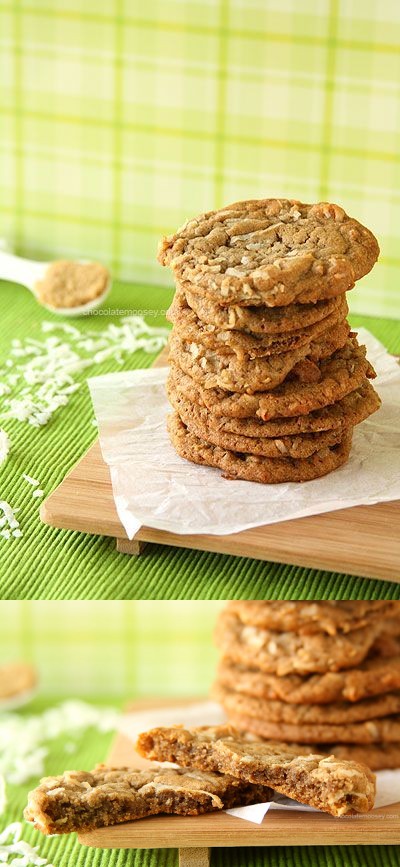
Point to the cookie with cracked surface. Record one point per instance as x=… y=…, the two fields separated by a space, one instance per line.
x=256 y=468
x=296 y=446
x=374 y=676
x=347 y=412
x=272 y=321
x=375 y=756
x=271 y=251
x=336 y=713
x=340 y=374
x=244 y=343
x=385 y=729
x=285 y=653
x=83 y=801
x=325 y=783
x=312 y=616
x=221 y=367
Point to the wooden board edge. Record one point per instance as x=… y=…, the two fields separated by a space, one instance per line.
x=247 y=839
x=238 y=549
x=232 y=545
x=300 y=829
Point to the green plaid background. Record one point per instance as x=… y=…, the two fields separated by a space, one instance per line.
x=120 y=120
x=113 y=649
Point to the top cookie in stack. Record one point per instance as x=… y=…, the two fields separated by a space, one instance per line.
x=267 y=381
x=308 y=673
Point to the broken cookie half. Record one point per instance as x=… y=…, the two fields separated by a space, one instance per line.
x=220 y=770
x=334 y=786
x=82 y=801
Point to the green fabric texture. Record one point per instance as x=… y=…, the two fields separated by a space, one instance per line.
x=120 y=123
x=66 y=851
x=54 y=564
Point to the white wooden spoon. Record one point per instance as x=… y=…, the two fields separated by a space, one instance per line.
x=29 y=272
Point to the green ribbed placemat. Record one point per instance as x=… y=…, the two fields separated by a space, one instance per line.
x=67 y=852
x=54 y=564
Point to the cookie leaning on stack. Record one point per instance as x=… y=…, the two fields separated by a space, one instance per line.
x=267 y=381
x=314 y=673
x=337 y=787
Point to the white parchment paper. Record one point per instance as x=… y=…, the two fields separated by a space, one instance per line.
x=153 y=486
x=211 y=713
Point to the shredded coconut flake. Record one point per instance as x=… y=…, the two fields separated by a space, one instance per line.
x=30 y=480
x=23 y=739
x=11 y=844
x=8 y=517
x=44 y=371
x=40 y=376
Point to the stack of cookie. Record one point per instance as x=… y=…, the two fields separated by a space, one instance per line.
x=319 y=676
x=267 y=381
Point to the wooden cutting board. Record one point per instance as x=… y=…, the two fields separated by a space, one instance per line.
x=194 y=835
x=362 y=541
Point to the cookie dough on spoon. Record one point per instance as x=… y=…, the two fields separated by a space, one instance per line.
x=65 y=287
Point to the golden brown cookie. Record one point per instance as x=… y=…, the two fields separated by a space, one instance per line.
x=243 y=343
x=312 y=616
x=271 y=251
x=339 y=713
x=297 y=446
x=387 y=645
x=327 y=784
x=374 y=676
x=347 y=412
x=385 y=729
x=376 y=756
x=277 y=322
x=255 y=468
x=82 y=800
x=285 y=653
x=341 y=374
x=222 y=367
